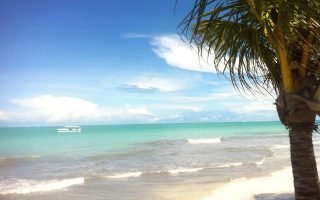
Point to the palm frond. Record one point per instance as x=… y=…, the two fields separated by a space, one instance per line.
x=244 y=34
x=232 y=33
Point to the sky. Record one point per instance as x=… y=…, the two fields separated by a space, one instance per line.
x=110 y=62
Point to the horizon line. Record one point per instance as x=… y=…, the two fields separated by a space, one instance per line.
x=124 y=124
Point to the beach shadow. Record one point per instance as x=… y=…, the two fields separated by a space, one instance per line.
x=285 y=196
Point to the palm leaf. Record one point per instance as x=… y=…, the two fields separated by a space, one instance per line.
x=250 y=56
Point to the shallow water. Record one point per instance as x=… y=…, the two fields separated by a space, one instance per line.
x=134 y=161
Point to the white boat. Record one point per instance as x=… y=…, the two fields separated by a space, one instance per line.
x=69 y=129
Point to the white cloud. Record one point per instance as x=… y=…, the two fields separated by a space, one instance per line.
x=210 y=118
x=137 y=110
x=3 y=115
x=210 y=97
x=253 y=107
x=167 y=118
x=153 y=84
x=179 y=54
x=53 y=109
x=61 y=108
x=180 y=107
x=228 y=93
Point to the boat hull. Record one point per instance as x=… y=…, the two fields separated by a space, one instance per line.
x=69 y=130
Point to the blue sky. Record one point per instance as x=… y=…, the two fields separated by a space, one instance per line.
x=109 y=62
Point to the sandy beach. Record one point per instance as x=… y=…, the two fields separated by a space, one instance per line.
x=278 y=185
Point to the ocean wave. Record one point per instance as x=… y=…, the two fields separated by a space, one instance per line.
x=261 y=161
x=185 y=170
x=316 y=142
x=251 y=145
x=125 y=175
x=238 y=179
x=20 y=158
x=235 y=164
x=162 y=142
x=22 y=186
x=204 y=141
x=138 y=173
x=281 y=146
x=15 y=160
x=117 y=155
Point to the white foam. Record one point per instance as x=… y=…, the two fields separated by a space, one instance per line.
x=245 y=189
x=235 y=164
x=204 y=141
x=22 y=186
x=281 y=146
x=184 y=170
x=125 y=175
x=316 y=142
x=260 y=162
x=13 y=158
x=239 y=179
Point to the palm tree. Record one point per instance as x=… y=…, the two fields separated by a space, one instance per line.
x=269 y=46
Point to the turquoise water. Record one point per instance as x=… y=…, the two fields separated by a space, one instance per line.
x=31 y=141
x=133 y=161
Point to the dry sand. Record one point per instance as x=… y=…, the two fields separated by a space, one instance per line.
x=276 y=186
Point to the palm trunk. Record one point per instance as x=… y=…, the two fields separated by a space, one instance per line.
x=304 y=167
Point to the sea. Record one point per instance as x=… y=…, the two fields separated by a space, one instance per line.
x=133 y=162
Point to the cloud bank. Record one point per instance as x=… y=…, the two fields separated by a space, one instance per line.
x=57 y=109
x=60 y=108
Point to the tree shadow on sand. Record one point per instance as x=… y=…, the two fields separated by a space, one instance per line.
x=285 y=196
